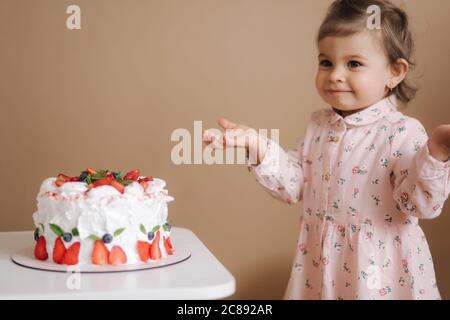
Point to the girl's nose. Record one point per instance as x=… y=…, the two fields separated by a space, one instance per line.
x=337 y=75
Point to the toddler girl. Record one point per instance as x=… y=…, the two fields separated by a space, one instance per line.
x=366 y=173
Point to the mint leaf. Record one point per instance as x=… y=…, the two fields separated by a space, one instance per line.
x=75 y=232
x=118 y=232
x=36 y=234
x=166 y=227
x=94 y=237
x=156 y=228
x=120 y=176
x=56 y=229
x=143 y=230
x=126 y=182
x=98 y=176
x=103 y=172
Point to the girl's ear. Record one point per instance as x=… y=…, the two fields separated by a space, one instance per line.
x=398 y=71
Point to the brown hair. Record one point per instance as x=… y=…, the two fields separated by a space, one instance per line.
x=347 y=17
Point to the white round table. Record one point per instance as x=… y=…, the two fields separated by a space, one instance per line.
x=201 y=276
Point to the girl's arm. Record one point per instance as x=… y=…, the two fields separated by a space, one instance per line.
x=278 y=171
x=421 y=182
x=281 y=173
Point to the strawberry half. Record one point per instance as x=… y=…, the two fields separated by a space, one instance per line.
x=63 y=177
x=146 y=179
x=155 y=251
x=40 y=250
x=90 y=171
x=102 y=182
x=117 y=256
x=59 y=251
x=71 y=256
x=132 y=175
x=168 y=245
x=116 y=184
x=59 y=183
x=144 y=184
x=143 y=248
x=100 y=253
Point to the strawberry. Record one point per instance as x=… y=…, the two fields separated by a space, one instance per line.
x=59 y=251
x=71 y=256
x=100 y=253
x=102 y=182
x=143 y=248
x=59 y=182
x=117 y=256
x=155 y=251
x=132 y=175
x=146 y=179
x=40 y=250
x=116 y=184
x=144 y=184
x=90 y=171
x=168 y=245
x=63 y=177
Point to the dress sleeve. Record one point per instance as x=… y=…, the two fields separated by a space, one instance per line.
x=281 y=172
x=420 y=182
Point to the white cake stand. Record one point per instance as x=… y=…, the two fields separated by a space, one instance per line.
x=25 y=258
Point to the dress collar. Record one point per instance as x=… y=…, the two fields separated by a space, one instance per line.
x=368 y=115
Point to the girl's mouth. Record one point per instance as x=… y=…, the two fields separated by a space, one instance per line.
x=337 y=92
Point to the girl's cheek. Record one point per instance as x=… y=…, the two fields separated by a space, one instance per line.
x=320 y=79
x=361 y=82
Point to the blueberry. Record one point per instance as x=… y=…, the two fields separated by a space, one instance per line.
x=83 y=176
x=67 y=237
x=107 y=238
x=151 y=235
x=115 y=175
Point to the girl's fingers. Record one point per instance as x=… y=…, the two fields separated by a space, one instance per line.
x=227 y=124
x=205 y=136
x=208 y=136
x=235 y=139
x=218 y=142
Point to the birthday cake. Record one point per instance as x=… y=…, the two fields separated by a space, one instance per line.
x=102 y=218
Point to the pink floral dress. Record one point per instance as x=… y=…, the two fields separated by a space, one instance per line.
x=365 y=181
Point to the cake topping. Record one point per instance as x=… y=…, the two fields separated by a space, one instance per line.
x=95 y=178
x=107 y=238
x=40 y=250
x=67 y=237
x=38 y=231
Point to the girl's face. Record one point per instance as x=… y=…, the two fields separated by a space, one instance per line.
x=353 y=72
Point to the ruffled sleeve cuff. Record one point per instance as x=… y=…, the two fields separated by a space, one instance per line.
x=271 y=162
x=432 y=170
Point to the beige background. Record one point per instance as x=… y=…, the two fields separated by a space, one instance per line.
x=110 y=95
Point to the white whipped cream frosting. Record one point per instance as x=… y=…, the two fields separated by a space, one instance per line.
x=102 y=210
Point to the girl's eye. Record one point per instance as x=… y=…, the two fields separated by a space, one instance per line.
x=354 y=64
x=325 y=63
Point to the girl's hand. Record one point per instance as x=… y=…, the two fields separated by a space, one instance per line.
x=439 y=143
x=237 y=136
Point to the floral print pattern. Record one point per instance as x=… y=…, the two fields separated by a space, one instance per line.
x=365 y=181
